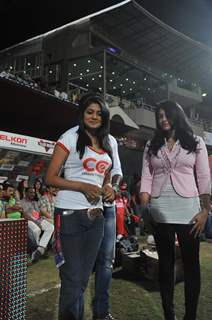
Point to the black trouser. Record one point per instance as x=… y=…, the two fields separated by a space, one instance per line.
x=164 y=235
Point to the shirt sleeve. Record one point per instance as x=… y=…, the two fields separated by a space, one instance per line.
x=26 y=208
x=65 y=141
x=42 y=203
x=116 y=170
x=202 y=168
x=147 y=172
x=2 y=210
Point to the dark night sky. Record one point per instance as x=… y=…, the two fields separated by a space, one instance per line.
x=23 y=19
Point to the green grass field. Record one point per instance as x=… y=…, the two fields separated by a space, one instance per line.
x=131 y=296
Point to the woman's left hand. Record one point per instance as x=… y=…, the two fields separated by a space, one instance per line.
x=108 y=193
x=199 y=221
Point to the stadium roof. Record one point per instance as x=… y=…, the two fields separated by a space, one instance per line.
x=154 y=43
x=158 y=46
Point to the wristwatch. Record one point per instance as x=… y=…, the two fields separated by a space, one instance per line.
x=115 y=187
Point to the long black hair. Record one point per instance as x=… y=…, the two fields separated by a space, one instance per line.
x=179 y=123
x=41 y=189
x=21 y=189
x=102 y=132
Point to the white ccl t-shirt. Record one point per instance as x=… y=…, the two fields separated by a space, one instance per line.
x=90 y=169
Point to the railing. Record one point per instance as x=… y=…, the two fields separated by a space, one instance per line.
x=205 y=123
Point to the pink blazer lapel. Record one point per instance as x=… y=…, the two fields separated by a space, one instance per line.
x=169 y=159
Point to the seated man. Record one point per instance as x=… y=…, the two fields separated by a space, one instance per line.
x=2 y=210
x=2 y=207
x=46 y=203
x=12 y=207
x=36 y=223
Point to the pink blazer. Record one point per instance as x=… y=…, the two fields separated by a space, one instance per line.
x=180 y=166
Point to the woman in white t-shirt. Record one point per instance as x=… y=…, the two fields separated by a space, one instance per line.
x=85 y=153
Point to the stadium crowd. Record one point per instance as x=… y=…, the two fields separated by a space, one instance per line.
x=35 y=203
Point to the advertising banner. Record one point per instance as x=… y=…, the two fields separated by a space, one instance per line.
x=15 y=141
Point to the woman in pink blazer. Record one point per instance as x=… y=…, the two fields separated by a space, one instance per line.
x=175 y=177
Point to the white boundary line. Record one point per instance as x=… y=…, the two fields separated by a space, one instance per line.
x=41 y=291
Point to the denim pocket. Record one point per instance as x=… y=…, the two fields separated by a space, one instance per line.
x=73 y=222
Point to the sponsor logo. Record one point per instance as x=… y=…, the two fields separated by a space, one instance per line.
x=46 y=145
x=13 y=139
x=91 y=165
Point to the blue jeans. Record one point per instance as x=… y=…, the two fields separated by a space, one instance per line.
x=80 y=239
x=104 y=264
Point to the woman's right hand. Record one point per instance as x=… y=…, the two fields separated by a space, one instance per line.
x=92 y=192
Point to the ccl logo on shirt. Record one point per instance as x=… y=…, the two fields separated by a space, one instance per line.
x=91 y=165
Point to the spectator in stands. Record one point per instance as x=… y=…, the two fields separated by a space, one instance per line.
x=121 y=213
x=63 y=95
x=1 y=191
x=135 y=202
x=21 y=188
x=175 y=173
x=75 y=96
x=2 y=208
x=47 y=203
x=7 y=75
x=56 y=93
x=4 y=74
x=125 y=193
x=131 y=219
x=36 y=223
x=13 y=208
x=38 y=186
x=126 y=220
x=131 y=222
x=86 y=155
